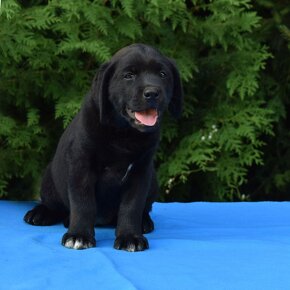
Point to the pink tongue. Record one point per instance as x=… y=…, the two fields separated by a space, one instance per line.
x=148 y=117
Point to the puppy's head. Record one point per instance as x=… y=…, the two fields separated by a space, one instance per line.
x=136 y=87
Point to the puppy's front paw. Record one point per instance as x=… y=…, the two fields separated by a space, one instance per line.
x=131 y=243
x=78 y=242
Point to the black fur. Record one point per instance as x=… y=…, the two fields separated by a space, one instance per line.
x=102 y=172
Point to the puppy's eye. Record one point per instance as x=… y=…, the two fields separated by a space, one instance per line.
x=162 y=74
x=129 y=76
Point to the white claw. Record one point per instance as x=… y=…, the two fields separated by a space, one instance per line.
x=77 y=244
x=69 y=244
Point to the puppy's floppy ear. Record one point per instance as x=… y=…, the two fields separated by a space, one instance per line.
x=175 y=104
x=100 y=89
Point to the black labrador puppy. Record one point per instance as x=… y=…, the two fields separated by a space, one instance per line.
x=102 y=172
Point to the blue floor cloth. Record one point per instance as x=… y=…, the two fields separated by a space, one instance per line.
x=194 y=246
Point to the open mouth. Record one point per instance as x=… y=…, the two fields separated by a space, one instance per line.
x=147 y=117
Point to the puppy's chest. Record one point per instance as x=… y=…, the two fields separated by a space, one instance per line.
x=116 y=163
x=122 y=150
x=116 y=175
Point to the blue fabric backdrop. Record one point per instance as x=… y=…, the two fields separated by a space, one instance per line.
x=194 y=246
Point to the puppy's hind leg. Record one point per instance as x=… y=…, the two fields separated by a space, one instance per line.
x=50 y=211
x=43 y=216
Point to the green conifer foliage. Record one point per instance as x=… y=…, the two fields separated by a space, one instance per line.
x=50 y=51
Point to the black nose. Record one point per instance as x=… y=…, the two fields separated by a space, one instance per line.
x=151 y=93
